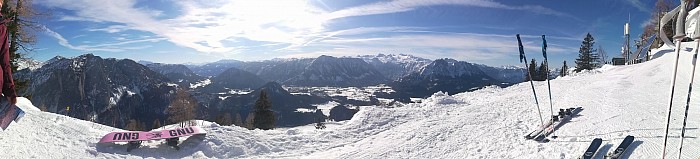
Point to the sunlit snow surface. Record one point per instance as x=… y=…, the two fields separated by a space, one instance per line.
x=489 y=123
x=200 y=84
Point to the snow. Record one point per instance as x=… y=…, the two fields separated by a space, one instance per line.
x=170 y=84
x=236 y=91
x=25 y=63
x=201 y=83
x=354 y=93
x=441 y=98
x=392 y=58
x=326 y=108
x=305 y=110
x=488 y=123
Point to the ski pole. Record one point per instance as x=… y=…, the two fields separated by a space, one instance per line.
x=680 y=34
x=687 y=103
x=696 y=37
x=522 y=56
x=549 y=87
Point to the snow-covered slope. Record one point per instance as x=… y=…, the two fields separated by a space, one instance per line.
x=487 y=123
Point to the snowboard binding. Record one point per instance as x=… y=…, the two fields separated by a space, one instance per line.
x=173 y=142
x=133 y=145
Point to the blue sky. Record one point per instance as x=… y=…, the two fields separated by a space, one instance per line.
x=196 y=31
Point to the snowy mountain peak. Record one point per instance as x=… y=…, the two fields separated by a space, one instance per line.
x=27 y=63
x=144 y=62
x=332 y=71
x=392 y=58
x=506 y=74
x=54 y=59
x=395 y=66
x=228 y=61
x=449 y=67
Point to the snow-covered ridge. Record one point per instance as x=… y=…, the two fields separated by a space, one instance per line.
x=26 y=63
x=393 y=58
x=449 y=67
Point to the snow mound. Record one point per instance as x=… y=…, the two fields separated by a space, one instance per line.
x=441 y=98
x=25 y=104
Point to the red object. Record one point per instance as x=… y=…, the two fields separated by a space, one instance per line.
x=8 y=85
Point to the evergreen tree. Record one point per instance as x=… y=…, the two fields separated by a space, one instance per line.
x=249 y=121
x=227 y=120
x=564 y=70
x=224 y=119
x=542 y=72
x=238 y=121
x=586 y=58
x=43 y=108
x=533 y=71
x=595 y=59
x=156 y=124
x=264 y=117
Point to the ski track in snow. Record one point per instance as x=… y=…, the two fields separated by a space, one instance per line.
x=489 y=123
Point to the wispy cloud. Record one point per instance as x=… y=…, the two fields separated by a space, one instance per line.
x=646 y=22
x=408 y=5
x=638 y=4
x=111 y=29
x=107 y=47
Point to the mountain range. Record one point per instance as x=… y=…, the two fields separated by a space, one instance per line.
x=112 y=91
x=107 y=91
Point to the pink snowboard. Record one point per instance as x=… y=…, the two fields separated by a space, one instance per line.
x=151 y=135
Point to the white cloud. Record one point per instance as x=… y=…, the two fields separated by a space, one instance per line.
x=408 y=5
x=204 y=24
x=646 y=22
x=211 y=26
